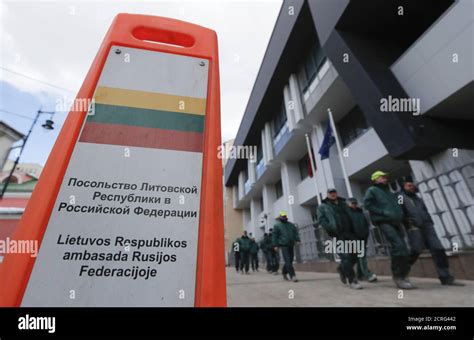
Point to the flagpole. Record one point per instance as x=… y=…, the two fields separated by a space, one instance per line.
x=311 y=160
x=339 y=151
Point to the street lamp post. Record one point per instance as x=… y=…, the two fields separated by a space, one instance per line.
x=47 y=125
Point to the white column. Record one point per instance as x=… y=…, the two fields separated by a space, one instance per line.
x=296 y=97
x=251 y=166
x=255 y=211
x=235 y=195
x=241 y=185
x=269 y=197
x=290 y=178
x=264 y=146
x=246 y=219
x=289 y=104
x=269 y=142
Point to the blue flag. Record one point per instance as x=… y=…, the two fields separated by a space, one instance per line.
x=328 y=141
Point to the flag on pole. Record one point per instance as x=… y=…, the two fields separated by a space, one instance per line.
x=328 y=141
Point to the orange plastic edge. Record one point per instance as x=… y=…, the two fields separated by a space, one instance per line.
x=210 y=272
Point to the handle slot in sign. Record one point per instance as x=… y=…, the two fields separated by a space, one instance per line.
x=165 y=37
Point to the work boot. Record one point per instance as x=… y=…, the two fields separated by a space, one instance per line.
x=403 y=283
x=285 y=276
x=451 y=282
x=355 y=285
x=341 y=275
x=294 y=279
x=372 y=278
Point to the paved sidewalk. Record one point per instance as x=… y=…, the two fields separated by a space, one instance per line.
x=326 y=290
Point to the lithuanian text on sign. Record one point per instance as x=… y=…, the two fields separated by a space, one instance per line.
x=124 y=227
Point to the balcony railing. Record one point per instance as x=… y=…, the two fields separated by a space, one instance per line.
x=260 y=167
x=281 y=138
x=247 y=186
x=313 y=238
x=322 y=70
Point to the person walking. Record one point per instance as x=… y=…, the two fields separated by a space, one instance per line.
x=254 y=248
x=265 y=245
x=274 y=255
x=386 y=212
x=421 y=233
x=285 y=237
x=334 y=216
x=361 y=230
x=244 y=246
x=236 y=250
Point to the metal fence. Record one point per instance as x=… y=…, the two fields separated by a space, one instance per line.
x=313 y=244
x=449 y=197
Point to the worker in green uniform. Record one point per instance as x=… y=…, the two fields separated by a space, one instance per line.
x=274 y=255
x=285 y=237
x=386 y=212
x=265 y=245
x=254 y=248
x=334 y=216
x=244 y=247
x=361 y=230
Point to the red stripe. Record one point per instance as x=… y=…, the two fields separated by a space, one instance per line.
x=139 y=136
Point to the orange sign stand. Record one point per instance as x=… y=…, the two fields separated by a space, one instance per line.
x=138 y=32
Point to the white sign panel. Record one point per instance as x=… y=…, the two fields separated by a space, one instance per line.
x=124 y=228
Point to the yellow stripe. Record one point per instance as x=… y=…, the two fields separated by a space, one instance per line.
x=150 y=100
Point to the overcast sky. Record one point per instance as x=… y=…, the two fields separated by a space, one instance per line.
x=55 y=42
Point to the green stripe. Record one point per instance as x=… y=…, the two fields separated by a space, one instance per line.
x=111 y=114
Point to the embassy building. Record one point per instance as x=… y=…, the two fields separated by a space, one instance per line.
x=397 y=77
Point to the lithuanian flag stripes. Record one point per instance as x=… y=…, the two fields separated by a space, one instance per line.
x=145 y=119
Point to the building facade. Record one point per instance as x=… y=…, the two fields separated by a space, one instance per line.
x=398 y=79
x=233 y=226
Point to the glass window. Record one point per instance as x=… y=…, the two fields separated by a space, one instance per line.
x=352 y=125
x=314 y=59
x=303 y=165
x=278 y=189
x=280 y=118
x=259 y=152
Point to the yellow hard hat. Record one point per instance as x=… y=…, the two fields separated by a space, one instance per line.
x=283 y=214
x=377 y=174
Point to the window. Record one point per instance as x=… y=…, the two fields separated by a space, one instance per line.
x=259 y=152
x=313 y=61
x=352 y=126
x=303 y=165
x=260 y=163
x=278 y=189
x=280 y=118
